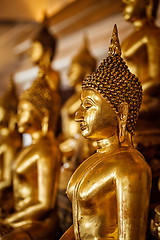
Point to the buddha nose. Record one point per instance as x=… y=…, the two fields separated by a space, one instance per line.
x=79 y=115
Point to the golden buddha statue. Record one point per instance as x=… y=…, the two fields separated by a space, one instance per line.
x=36 y=168
x=141 y=50
x=10 y=141
x=42 y=53
x=110 y=190
x=73 y=147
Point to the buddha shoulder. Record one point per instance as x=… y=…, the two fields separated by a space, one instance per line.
x=46 y=147
x=106 y=168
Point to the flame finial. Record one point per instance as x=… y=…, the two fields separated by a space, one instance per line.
x=114 y=47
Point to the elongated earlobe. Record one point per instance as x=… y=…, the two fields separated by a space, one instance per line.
x=45 y=123
x=122 y=120
x=12 y=123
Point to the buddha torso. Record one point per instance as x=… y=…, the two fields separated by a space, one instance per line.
x=42 y=157
x=103 y=182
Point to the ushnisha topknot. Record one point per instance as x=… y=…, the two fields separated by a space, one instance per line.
x=84 y=57
x=41 y=96
x=114 y=81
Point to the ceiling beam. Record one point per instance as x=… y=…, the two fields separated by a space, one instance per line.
x=81 y=14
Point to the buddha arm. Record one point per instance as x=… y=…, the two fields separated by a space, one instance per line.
x=132 y=206
x=7 y=157
x=153 y=84
x=46 y=176
x=153 y=53
x=153 y=48
x=133 y=49
x=151 y=88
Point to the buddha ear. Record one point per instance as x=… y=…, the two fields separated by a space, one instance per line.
x=122 y=120
x=45 y=121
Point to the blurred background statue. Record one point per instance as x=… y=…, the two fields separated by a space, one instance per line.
x=42 y=53
x=141 y=50
x=110 y=190
x=73 y=147
x=10 y=143
x=36 y=168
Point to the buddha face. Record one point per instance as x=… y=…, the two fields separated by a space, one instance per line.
x=36 y=52
x=76 y=74
x=29 y=120
x=134 y=9
x=96 y=117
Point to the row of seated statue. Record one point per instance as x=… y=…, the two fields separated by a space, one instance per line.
x=110 y=190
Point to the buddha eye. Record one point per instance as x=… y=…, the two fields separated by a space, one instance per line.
x=88 y=103
x=88 y=106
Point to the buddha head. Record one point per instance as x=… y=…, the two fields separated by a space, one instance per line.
x=8 y=108
x=43 y=42
x=138 y=9
x=111 y=98
x=82 y=64
x=38 y=108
